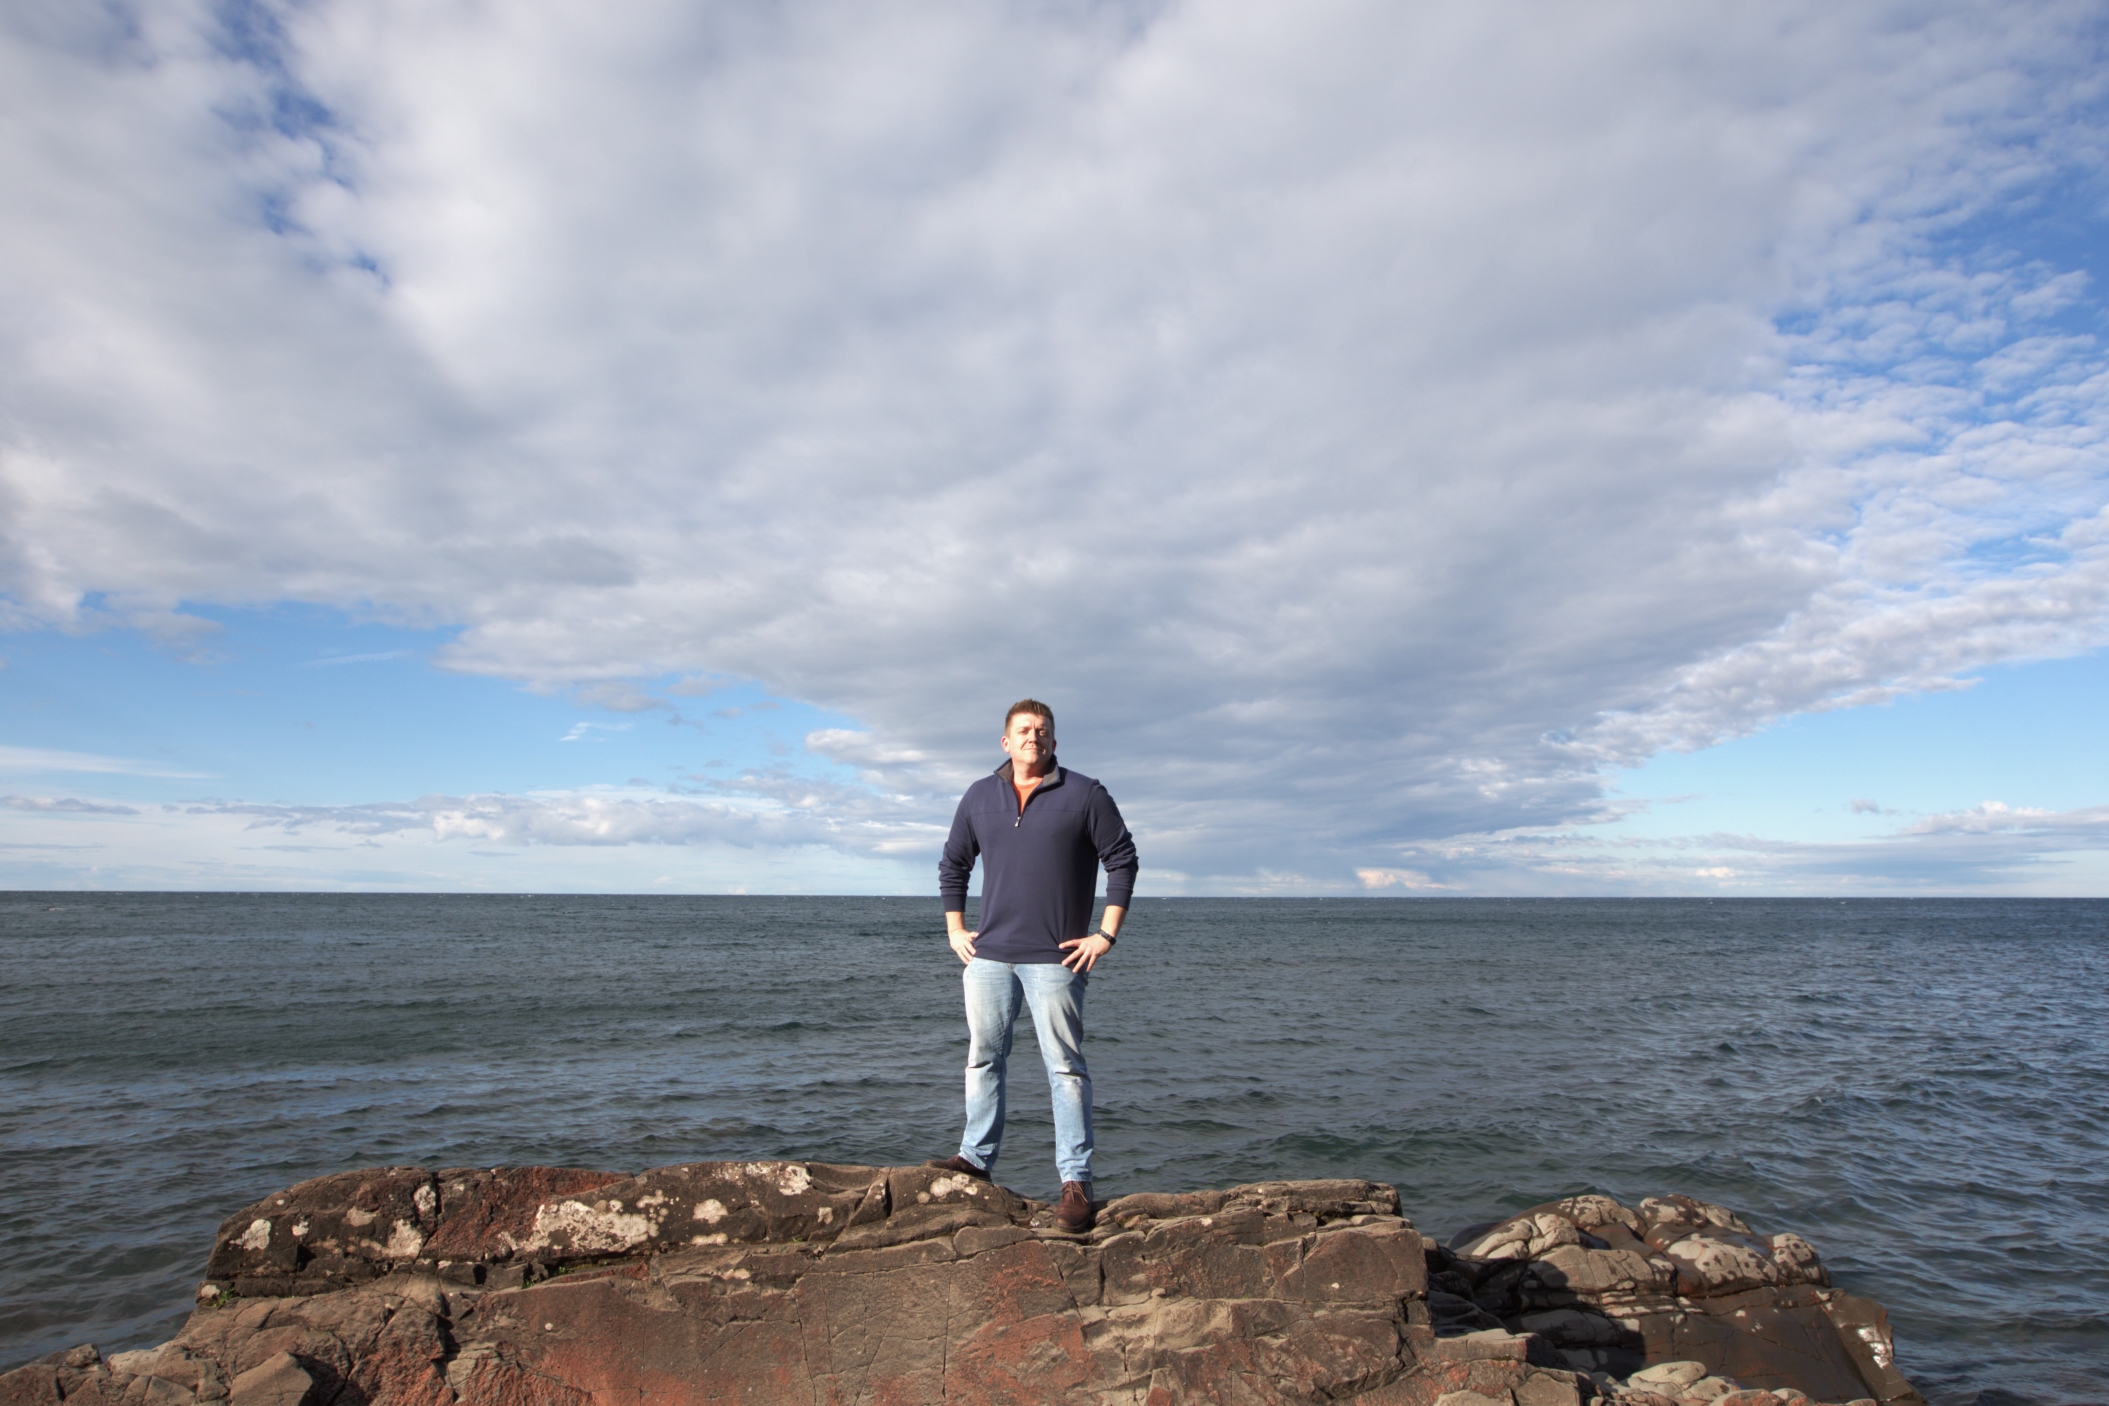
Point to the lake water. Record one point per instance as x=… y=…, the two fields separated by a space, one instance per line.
x=1919 y=1087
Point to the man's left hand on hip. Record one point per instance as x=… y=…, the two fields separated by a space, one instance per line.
x=1085 y=951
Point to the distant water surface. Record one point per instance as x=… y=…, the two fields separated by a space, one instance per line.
x=1916 y=1086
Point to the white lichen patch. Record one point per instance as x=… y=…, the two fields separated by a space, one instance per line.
x=710 y=1212
x=426 y=1200
x=1723 y=1265
x=945 y=1186
x=789 y=1178
x=590 y=1228
x=718 y=1238
x=657 y=1198
x=1796 y=1259
x=405 y=1241
x=826 y=1215
x=358 y=1217
x=300 y=1228
x=257 y=1236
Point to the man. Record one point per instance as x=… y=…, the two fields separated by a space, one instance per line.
x=1041 y=832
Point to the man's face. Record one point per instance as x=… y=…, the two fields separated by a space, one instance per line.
x=1029 y=739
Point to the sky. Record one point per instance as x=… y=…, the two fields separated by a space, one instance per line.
x=1440 y=449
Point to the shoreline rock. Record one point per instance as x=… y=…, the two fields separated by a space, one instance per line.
x=1624 y=1292
x=767 y=1282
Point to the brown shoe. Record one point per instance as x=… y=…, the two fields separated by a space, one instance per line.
x=1075 y=1214
x=957 y=1163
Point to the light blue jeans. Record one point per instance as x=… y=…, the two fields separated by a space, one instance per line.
x=1055 y=995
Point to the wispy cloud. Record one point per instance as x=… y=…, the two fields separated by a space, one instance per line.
x=584 y=731
x=1986 y=847
x=757 y=814
x=2088 y=827
x=381 y=657
x=65 y=805
x=618 y=697
x=51 y=759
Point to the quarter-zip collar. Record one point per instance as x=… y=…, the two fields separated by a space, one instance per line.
x=1047 y=783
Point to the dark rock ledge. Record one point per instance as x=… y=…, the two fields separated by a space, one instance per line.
x=766 y=1282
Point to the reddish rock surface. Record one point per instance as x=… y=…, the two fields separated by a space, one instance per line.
x=768 y=1282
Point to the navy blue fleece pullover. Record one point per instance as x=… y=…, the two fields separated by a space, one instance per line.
x=1039 y=865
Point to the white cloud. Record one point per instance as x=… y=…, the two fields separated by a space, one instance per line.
x=751 y=811
x=779 y=830
x=1363 y=422
x=583 y=731
x=1412 y=880
x=2084 y=828
x=575 y=842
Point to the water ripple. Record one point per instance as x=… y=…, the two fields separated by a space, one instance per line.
x=1916 y=1086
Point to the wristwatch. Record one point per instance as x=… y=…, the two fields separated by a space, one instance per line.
x=1110 y=938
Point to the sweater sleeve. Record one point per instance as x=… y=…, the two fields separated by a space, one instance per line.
x=1116 y=849
x=956 y=865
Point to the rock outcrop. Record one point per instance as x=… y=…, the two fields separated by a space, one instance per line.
x=765 y=1282
x=1680 y=1298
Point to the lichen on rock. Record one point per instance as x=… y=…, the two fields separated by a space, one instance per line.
x=804 y=1281
x=1675 y=1287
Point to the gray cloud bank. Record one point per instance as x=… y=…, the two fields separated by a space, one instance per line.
x=1365 y=423
x=1991 y=847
